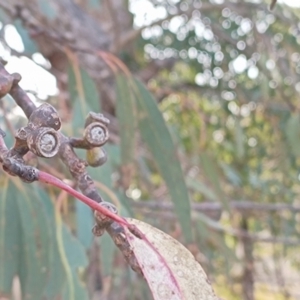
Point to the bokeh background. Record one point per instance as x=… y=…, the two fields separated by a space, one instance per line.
x=203 y=99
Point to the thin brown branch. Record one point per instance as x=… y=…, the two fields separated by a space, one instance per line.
x=244 y=207
x=168 y=216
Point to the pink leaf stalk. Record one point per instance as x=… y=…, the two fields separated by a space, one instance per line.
x=49 y=179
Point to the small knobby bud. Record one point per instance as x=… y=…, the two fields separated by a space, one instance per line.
x=102 y=220
x=96 y=157
x=96 y=134
x=29 y=174
x=22 y=133
x=45 y=116
x=97 y=230
x=43 y=142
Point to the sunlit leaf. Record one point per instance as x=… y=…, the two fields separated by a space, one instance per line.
x=169 y=268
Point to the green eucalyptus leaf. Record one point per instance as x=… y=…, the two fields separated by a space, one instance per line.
x=90 y=97
x=107 y=254
x=30 y=46
x=158 y=139
x=203 y=189
x=211 y=170
x=85 y=223
x=36 y=241
x=68 y=258
x=239 y=140
x=10 y=237
x=74 y=260
x=292 y=131
x=84 y=97
x=126 y=118
x=57 y=276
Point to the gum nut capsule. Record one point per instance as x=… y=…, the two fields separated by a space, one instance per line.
x=96 y=134
x=43 y=142
x=96 y=157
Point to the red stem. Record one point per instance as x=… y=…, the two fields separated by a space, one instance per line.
x=47 y=178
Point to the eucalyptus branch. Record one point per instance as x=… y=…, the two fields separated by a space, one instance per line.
x=42 y=137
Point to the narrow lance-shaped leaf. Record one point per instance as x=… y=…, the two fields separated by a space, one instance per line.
x=158 y=139
x=10 y=237
x=73 y=258
x=82 y=88
x=36 y=240
x=292 y=130
x=211 y=171
x=107 y=253
x=84 y=220
x=126 y=118
x=68 y=257
x=202 y=188
x=56 y=276
x=239 y=139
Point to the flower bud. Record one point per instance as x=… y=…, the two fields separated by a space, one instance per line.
x=45 y=116
x=96 y=157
